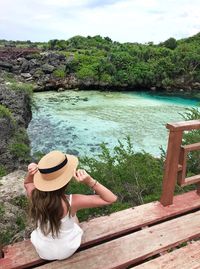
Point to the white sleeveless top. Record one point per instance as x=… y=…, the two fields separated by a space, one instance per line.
x=62 y=246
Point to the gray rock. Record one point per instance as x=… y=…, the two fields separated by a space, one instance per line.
x=26 y=75
x=19 y=104
x=47 y=68
x=25 y=67
x=13 y=197
x=12 y=185
x=5 y=65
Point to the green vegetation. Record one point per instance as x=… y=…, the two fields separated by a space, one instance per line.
x=19 y=146
x=170 y=64
x=5 y=112
x=20 y=221
x=21 y=217
x=9 y=77
x=126 y=173
x=59 y=73
x=20 y=201
x=19 y=86
x=3 y=171
x=105 y=62
x=6 y=236
x=2 y=209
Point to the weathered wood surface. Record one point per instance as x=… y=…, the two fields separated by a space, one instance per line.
x=171 y=167
x=182 y=179
x=184 y=125
x=191 y=180
x=187 y=257
x=140 y=216
x=135 y=247
x=98 y=229
x=191 y=147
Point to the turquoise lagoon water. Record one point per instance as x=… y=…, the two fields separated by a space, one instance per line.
x=78 y=121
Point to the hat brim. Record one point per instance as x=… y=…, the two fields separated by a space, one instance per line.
x=60 y=181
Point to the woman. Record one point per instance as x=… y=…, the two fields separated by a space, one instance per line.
x=57 y=234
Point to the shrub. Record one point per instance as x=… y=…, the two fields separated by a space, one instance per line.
x=20 y=221
x=5 y=112
x=20 y=150
x=20 y=201
x=59 y=73
x=19 y=146
x=134 y=177
x=18 y=86
x=6 y=236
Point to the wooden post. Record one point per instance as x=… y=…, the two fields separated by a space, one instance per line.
x=171 y=167
x=198 y=188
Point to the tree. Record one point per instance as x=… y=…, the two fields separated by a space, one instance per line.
x=170 y=43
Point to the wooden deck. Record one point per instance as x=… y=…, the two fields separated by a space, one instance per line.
x=157 y=235
x=128 y=238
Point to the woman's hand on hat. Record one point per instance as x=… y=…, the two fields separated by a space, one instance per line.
x=32 y=168
x=83 y=177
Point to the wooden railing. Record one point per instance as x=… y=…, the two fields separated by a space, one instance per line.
x=176 y=161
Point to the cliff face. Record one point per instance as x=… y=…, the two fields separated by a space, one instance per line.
x=14 y=224
x=46 y=69
x=18 y=102
x=15 y=115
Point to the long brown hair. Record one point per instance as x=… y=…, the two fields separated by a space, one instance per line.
x=46 y=209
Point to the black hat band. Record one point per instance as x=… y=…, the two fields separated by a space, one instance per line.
x=55 y=168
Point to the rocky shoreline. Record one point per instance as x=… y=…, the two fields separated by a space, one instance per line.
x=49 y=70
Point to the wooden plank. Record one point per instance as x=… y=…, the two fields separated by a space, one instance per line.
x=184 y=125
x=191 y=180
x=181 y=179
x=19 y=255
x=132 y=219
x=135 y=247
x=107 y=227
x=191 y=147
x=187 y=257
x=182 y=162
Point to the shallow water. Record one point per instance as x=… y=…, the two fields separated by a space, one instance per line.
x=78 y=121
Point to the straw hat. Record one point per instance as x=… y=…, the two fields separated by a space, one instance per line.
x=55 y=170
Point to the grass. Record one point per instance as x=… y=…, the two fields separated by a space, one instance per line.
x=59 y=73
x=19 y=86
x=20 y=150
x=3 y=171
x=6 y=236
x=5 y=112
x=2 y=209
x=20 y=201
x=21 y=222
x=19 y=146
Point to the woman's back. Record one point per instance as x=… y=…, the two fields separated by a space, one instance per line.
x=57 y=235
x=61 y=246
